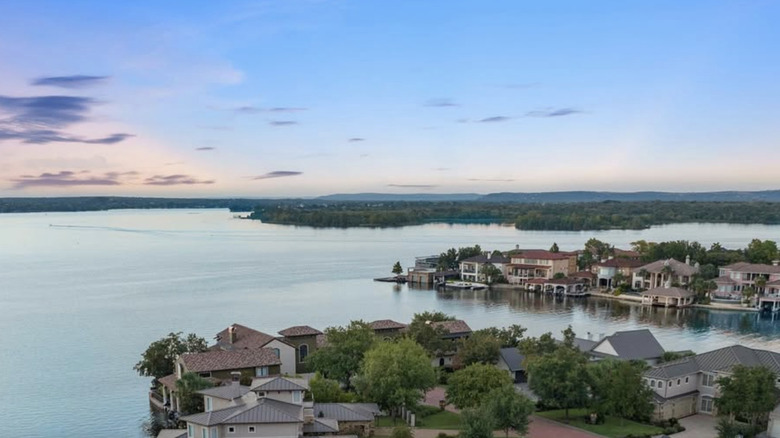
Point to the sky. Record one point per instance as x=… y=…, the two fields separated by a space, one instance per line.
x=312 y=97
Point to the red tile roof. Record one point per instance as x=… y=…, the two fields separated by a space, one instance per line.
x=219 y=360
x=542 y=254
x=583 y=274
x=244 y=337
x=169 y=381
x=523 y=266
x=386 y=324
x=621 y=262
x=454 y=327
x=299 y=330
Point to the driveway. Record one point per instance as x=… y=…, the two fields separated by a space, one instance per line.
x=698 y=426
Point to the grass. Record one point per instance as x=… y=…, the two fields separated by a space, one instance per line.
x=441 y=420
x=613 y=427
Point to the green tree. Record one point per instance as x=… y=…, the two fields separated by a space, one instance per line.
x=618 y=388
x=397 y=268
x=538 y=346
x=340 y=358
x=749 y=393
x=429 y=335
x=480 y=347
x=558 y=275
x=187 y=387
x=670 y=356
x=158 y=359
x=509 y=409
x=759 y=251
x=507 y=336
x=468 y=387
x=599 y=249
x=559 y=378
x=491 y=273
x=327 y=391
x=395 y=374
x=554 y=247
x=402 y=430
x=476 y=423
x=448 y=260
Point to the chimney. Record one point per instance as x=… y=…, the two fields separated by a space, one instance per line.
x=517 y=246
x=232 y=334
x=235 y=378
x=688 y=259
x=590 y=336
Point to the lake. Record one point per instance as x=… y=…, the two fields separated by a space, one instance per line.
x=83 y=294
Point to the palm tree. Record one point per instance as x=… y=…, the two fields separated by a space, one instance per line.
x=760 y=284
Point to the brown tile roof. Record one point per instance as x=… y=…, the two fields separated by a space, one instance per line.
x=523 y=266
x=674 y=292
x=754 y=268
x=583 y=274
x=627 y=253
x=679 y=268
x=724 y=280
x=621 y=262
x=245 y=337
x=169 y=381
x=299 y=330
x=321 y=341
x=486 y=258
x=454 y=327
x=386 y=324
x=229 y=360
x=542 y=254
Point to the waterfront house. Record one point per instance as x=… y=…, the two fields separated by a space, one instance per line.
x=688 y=386
x=471 y=268
x=526 y=264
x=306 y=341
x=220 y=364
x=588 y=277
x=559 y=286
x=220 y=397
x=453 y=330
x=734 y=278
x=511 y=360
x=624 y=345
x=668 y=296
x=607 y=271
x=664 y=272
x=239 y=337
x=429 y=276
x=387 y=328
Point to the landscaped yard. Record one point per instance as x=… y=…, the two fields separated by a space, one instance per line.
x=440 y=420
x=612 y=427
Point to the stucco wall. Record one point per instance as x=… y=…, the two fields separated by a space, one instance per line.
x=287 y=354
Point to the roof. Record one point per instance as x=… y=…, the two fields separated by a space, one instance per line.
x=227 y=392
x=674 y=292
x=724 y=280
x=512 y=358
x=626 y=253
x=583 y=274
x=169 y=381
x=299 y=330
x=659 y=399
x=455 y=327
x=346 y=411
x=525 y=266
x=244 y=337
x=584 y=345
x=264 y=410
x=720 y=360
x=279 y=384
x=633 y=344
x=754 y=268
x=679 y=268
x=172 y=433
x=321 y=425
x=542 y=254
x=564 y=280
x=489 y=258
x=218 y=360
x=386 y=324
x=621 y=262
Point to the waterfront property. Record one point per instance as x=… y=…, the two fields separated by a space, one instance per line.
x=575 y=287
x=689 y=386
x=668 y=296
x=527 y=264
x=471 y=269
x=736 y=277
x=624 y=345
x=662 y=272
x=387 y=328
x=453 y=330
x=306 y=340
x=616 y=268
x=239 y=337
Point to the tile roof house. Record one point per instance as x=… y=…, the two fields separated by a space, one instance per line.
x=387 y=328
x=628 y=345
x=607 y=270
x=237 y=337
x=689 y=385
x=453 y=330
x=526 y=264
x=668 y=297
x=219 y=364
x=306 y=340
x=663 y=272
x=734 y=278
x=470 y=268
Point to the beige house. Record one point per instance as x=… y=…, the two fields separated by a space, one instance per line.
x=607 y=270
x=471 y=268
x=239 y=337
x=526 y=264
x=668 y=297
x=664 y=272
x=305 y=339
x=454 y=330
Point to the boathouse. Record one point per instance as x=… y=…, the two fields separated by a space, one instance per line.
x=667 y=297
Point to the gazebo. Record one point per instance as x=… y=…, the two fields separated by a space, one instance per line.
x=667 y=297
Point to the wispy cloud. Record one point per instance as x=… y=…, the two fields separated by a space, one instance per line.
x=356 y=139
x=441 y=103
x=413 y=186
x=492 y=179
x=277 y=174
x=284 y=109
x=282 y=122
x=175 y=180
x=495 y=119
x=251 y=109
x=205 y=148
x=551 y=112
x=75 y=81
x=68 y=178
x=44 y=136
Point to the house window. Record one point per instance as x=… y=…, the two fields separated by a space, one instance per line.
x=208 y=404
x=660 y=384
x=706 y=404
x=190 y=431
x=296 y=396
x=277 y=352
x=707 y=380
x=303 y=351
x=204 y=433
x=208 y=374
x=678 y=382
x=652 y=383
x=214 y=433
x=686 y=379
x=261 y=371
x=251 y=429
x=231 y=429
x=670 y=384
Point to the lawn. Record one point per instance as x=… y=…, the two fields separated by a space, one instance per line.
x=441 y=420
x=613 y=427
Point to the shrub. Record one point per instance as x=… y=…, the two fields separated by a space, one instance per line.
x=402 y=431
x=422 y=411
x=444 y=435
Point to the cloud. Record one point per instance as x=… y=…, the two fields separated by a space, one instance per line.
x=553 y=112
x=492 y=179
x=205 y=148
x=495 y=119
x=413 y=186
x=283 y=109
x=282 y=122
x=75 y=81
x=441 y=103
x=251 y=109
x=68 y=178
x=356 y=139
x=44 y=136
x=247 y=109
x=277 y=174
x=174 y=180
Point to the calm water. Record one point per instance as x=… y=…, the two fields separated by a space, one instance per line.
x=83 y=294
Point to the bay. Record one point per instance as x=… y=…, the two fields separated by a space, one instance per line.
x=83 y=294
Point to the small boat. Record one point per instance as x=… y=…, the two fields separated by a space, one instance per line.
x=465 y=285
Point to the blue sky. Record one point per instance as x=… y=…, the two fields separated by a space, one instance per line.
x=299 y=98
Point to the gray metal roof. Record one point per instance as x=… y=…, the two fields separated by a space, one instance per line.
x=228 y=392
x=263 y=410
x=321 y=425
x=346 y=411
x=584 y=345
x=513 y=358
x=172 y=433
x=279 y=384
x=634 y=344
x=722 y=359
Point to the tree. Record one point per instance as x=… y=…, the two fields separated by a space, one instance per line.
x=187 y=387
x=559 y=275
x=759 y=251
x=402 y=431
x=491 y=273
x=538 y=346
x=670 y=356
x=618 y=388
x=340 y=358
x=429 y=335
x=749 y=393
x=554 y=247
x=509 y=409
x=507 y=336
x=599 y=249
x=327 y=391
x=480 y=347
x=448 y=260
x=559 y=378
x=158 y=359
x=395 y=374
x=468 y=387
x=476 y=423
x=397 y=268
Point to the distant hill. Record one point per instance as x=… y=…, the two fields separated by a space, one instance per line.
x=583 y=196
x=394 y=197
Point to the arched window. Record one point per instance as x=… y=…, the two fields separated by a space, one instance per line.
x=652 y=383
x=277 y=352
x=303 y=351
x=660 y=384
